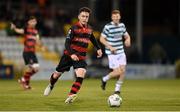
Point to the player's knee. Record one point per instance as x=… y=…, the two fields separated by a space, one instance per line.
x=56 y=74
x=121 y=70
x=80 y=72
x=35 y=67
x=36 y=70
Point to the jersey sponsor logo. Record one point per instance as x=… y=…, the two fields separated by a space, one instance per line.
x=88 y=31
x=84 y=40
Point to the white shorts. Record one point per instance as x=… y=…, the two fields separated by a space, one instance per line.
x=116 y=60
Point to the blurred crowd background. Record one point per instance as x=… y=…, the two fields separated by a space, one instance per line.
x=159 y=23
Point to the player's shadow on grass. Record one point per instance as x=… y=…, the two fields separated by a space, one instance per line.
x=61 y=106
x=62 y=103
x=17 y=90
x=52 y=104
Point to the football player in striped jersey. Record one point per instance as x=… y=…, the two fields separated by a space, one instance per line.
x=31 y=39
x=114 y=36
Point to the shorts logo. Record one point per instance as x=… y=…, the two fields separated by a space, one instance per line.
x=118 y=58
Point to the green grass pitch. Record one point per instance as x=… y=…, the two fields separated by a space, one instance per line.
x=138 y=95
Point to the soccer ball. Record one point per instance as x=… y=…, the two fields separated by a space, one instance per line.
x=114 y=100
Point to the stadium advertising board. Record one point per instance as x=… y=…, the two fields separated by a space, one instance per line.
x=6 y=72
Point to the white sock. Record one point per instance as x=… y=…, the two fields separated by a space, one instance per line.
x=118 y=85
x=106 y=78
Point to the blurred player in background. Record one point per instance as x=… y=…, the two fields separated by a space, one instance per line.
x=31 y=39
x=77 y=40
x=114 y=36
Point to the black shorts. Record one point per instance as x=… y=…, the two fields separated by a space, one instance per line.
x=66 y=62
x=29 y=58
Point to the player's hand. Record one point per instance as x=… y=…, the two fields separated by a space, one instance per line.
x=74 y=57
x=113 y=50
x=12 y=26
x=99 y=53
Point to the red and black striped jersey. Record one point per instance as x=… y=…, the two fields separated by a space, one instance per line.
x=77 y=40
x=30 y=39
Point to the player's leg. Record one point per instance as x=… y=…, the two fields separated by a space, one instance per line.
x=120 y=79
x=80 y=71
x=114 y=63
x=64 y=65
x=53 y=79
x=24 y=80
x=121 y=70
x=31 y=68
x=114 y=73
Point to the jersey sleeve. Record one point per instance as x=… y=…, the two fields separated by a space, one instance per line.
x=124 y=29
x=69 y=38
x=94 y=41
x=105 y=32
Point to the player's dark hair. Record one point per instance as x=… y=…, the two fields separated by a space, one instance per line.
x=115 y=12
x=85 y=9
x=32 y=17
x=29 y=18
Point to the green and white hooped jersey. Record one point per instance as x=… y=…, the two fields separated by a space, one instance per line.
x=114 y=36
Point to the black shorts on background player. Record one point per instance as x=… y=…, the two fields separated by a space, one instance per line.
x=30 y=58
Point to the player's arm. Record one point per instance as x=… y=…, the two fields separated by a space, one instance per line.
x=17 y=30
x=68 y=43
x=40 y=44
x=127 y=41
x=95 y=43
x=103 y=40
x=105 y=43
x=69 y=38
